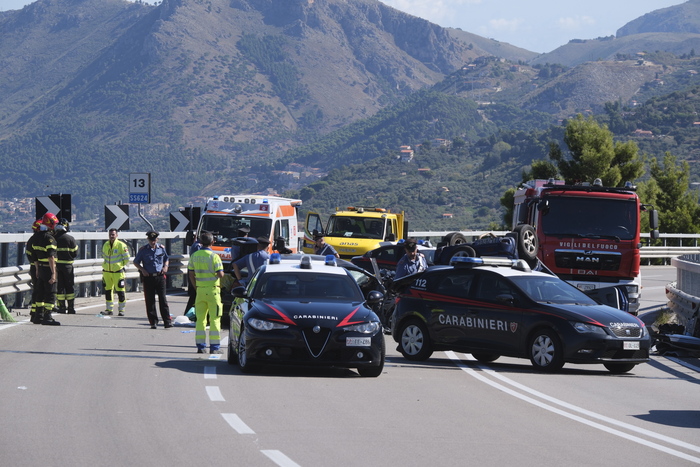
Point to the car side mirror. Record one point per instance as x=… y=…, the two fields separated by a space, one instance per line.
x=506 y=298
x=238 y=292
x=374 y=297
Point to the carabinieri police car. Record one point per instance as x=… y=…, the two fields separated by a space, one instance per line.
x=496 y=306
x=302 y=310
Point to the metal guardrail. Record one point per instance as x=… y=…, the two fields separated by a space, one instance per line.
x=15 y=279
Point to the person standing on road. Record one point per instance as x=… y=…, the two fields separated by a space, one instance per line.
x=66 y=252
x=191 y=287
x=205 y=270
x=252 y=261
x=115 y=256
x=412 y=262
x=45 y=253
x=31 y=257
x=152 y=261
x=322 y=248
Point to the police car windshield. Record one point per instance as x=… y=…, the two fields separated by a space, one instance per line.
x=551 y=290
x=308 y=286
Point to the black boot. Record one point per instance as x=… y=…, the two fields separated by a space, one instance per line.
x=61 y=307
x=71 y=307
x=48 y=320
x=37 y=315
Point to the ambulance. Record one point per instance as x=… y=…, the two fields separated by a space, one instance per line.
x=271 y=217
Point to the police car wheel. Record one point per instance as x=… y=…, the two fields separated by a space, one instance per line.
x=231 y=358
x=485 y=357
x=546 y=351
x=414 y=341
x=376 y=370
x=619 y=368
x=243 y=363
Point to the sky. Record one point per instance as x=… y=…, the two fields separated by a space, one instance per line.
x=536 y=25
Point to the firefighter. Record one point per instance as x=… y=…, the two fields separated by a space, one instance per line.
x=45 y=253
x=67 y=251
x=115 y=256
x=31 y=257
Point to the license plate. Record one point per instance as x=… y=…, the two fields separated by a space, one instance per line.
x=630 y=345
x=358 y=341
x=585 y=287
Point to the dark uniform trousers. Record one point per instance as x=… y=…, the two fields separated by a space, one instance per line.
x=155 y=286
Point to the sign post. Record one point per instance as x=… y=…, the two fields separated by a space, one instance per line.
x=140 y=188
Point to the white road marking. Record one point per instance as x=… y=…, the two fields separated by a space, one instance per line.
x=209 y=372
x=278 y=458
x=214 y=394
x=237 y=424
x=452 y=356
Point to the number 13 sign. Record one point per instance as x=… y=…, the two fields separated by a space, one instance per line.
x=140 y=188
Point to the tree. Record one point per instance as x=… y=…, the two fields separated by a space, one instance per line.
x=593 y=154
x=668 y=190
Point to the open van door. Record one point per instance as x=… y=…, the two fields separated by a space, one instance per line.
x=313 y=223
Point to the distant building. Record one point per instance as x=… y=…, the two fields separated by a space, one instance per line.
x=642 y=133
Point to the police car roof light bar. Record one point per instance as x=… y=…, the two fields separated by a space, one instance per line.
x=274 y=258
x=305 y=262
x=330 y=260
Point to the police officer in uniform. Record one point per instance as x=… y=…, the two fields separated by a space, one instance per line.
x=67 y=251
x=152 y=261
x=45 y=253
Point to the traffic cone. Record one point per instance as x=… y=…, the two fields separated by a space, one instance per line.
x=4 y=314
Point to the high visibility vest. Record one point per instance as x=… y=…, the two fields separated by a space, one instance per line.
x=115 y=257
x=205 y=263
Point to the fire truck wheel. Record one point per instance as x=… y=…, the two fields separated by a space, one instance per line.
x=527 y=242
x=454 y=238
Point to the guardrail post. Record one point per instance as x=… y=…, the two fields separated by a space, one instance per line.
x=4 y=255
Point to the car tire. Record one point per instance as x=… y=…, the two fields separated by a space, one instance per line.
x=243 y=361
x=485 y=357
x=462 y=251
x=619 y=368
x=454 y=238
x=231 y=358
x=414 y=341
x=527 y=242
x=376 y=370
x=546 y=351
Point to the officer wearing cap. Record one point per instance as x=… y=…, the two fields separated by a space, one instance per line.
x=66 y=252
x=412 y=262
x=321 y=247
x=152 y=262
x=252 y=261
x=241 y=232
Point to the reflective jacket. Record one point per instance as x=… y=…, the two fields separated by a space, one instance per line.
x=205 y=263
x=67 y=249
x=115 y=257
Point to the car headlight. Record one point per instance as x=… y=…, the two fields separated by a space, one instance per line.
x=584 y=328
x=262 y=325
x=364 y=328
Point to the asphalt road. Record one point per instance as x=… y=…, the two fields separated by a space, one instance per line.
x=98 y=391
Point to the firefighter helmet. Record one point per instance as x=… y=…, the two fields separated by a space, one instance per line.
x=49 y=220
x=36 y=225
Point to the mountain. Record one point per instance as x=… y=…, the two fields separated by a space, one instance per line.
x=675 y=29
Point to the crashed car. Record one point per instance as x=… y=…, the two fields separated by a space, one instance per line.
x=387 y=256
x=496 y=306
x=307 y=310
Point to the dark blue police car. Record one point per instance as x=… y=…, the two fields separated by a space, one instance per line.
x=307 y=310
x=496 y=306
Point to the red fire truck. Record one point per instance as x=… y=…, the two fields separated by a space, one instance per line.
x=589 y=235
